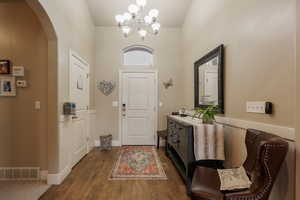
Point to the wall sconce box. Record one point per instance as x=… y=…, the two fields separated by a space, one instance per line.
x=69 y=108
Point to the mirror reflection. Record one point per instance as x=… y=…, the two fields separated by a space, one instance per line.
x=208 y=82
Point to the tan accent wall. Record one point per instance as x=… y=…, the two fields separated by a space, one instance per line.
x=23 y=134
x=167 y=57
x=259 y=55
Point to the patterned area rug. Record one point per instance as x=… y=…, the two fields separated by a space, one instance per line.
x=138 y=163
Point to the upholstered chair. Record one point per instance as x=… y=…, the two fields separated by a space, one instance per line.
x=265 y=154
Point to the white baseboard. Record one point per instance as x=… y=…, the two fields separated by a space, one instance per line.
x=115 y=143
x=44 y=175
x=56 y=179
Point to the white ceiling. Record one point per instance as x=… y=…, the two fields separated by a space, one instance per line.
x=172 y=12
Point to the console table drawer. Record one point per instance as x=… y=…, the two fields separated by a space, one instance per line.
x=178 y=138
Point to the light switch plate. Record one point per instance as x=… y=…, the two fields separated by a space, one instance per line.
x=37 y=105
x=256 y=107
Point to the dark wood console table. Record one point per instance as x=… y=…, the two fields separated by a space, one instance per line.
x=180 y=149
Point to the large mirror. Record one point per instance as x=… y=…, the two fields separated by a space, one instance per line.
x=209 y=89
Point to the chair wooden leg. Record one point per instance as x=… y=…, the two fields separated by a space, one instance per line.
x=157 y=142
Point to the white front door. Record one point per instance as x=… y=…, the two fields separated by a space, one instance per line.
x=138 y=108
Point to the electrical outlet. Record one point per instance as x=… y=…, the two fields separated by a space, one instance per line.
x=256 y=107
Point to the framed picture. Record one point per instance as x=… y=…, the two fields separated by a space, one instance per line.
x=4 y=67
x=8 y=86
x=18 y=71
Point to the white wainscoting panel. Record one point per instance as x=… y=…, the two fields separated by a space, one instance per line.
x=66 y=140
x=91 y=129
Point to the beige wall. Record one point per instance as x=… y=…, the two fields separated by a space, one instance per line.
x=298 y=100
x=259 y=39
x=23 y=134
x=74 y=30
x=259 y=61
x=167 y=54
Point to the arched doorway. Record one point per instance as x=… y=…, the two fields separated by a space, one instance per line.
x=52 y=90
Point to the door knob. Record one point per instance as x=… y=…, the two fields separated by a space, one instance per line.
x=124 y=109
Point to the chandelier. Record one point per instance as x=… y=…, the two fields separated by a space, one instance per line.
x=137 y=20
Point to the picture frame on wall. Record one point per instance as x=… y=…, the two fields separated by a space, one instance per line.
x=4 y=67
x=8 y=86
x=18 y=71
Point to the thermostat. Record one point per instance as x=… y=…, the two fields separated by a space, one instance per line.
x=21 y=83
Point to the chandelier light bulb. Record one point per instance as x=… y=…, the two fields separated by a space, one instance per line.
x=142 y=33
x=126 y=30
x=133 y=9
x=156 y=27
x=141 y=3
x=138 y=20
x=148 y=20
x=154 y=13
x=120 y=19
x=127 y=16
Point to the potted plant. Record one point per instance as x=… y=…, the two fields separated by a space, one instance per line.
x=207 y=114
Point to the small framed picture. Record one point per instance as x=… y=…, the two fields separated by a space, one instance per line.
x=4 y=67
x=18 y=71
x=8 y=86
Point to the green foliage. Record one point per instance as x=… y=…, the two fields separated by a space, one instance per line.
x=207 y=114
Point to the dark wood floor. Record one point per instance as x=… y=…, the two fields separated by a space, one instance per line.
x=89 y=181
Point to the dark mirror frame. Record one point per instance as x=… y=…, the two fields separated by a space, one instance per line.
x=217 y=52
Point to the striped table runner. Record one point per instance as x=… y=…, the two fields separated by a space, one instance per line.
x=209 y=142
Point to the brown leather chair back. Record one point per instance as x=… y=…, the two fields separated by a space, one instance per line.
x=266 y=153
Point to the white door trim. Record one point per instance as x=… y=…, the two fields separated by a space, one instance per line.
x=136 y=70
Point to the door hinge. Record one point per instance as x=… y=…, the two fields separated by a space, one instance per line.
x=87 y=75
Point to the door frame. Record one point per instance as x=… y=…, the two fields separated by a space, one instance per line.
x=137 y=70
